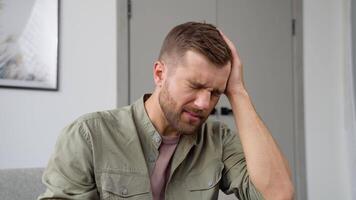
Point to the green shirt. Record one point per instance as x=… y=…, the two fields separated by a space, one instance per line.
x=110 y=155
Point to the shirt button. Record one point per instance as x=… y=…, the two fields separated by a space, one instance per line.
x=124 y=191
x=157 y=139
x=151 y=159
x=210 y=183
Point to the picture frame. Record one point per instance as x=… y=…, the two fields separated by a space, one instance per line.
x=29 y=44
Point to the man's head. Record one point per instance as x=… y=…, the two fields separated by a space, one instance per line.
x=199 y=37
x=191 y=73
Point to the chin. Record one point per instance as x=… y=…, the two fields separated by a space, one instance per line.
x=188 y=130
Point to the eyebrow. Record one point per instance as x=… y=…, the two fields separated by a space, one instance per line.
x=200 y=85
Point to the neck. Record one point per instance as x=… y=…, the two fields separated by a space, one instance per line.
x=157 y=117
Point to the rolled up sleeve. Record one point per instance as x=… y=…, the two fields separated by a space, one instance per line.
x=235 y=177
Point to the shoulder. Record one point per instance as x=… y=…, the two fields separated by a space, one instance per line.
x=106 y=118
x=100 y=122
x=106 y=115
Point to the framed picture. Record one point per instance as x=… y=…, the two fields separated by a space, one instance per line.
x=29 y=44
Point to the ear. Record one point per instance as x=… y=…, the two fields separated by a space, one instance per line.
x=159 y=73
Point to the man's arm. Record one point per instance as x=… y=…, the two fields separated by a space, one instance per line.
x=266 y=165
x=69 y=174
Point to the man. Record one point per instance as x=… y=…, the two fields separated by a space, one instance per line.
x=162 y=147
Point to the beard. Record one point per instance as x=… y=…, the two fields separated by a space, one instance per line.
x=174 y=114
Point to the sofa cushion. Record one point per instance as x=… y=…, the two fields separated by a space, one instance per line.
x=21 y=184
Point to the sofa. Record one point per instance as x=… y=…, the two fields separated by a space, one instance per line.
x=21 y=184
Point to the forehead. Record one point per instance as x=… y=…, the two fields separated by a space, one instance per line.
x=195 y=67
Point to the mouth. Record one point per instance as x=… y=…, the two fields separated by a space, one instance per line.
x=193 y=116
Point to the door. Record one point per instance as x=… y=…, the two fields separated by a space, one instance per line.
x=262 y=32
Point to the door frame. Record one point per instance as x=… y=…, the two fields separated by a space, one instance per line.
x=298 y=108
x=123 y=52
x=123 y=82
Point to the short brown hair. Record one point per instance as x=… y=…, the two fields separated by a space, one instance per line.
x=200 y=37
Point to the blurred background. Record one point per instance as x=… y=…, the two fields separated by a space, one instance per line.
x=298 y=67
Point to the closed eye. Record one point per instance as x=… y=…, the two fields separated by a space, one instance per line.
x=216 y=93
x=198 y=86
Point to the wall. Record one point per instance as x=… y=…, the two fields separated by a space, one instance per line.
x=30 y=120
x=324 y=64
x=351 y=97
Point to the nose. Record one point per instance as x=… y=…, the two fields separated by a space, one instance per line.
x=202 y=100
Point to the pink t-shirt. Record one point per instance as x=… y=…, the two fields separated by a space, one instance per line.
x=161 y=169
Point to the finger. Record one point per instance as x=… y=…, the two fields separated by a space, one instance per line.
x=232 y=47
x=227 y=40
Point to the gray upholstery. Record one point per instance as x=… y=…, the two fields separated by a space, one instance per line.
x=21 y=184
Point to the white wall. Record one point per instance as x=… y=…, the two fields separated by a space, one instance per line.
x=30 y=121
x=325 y=55
x=351 y=98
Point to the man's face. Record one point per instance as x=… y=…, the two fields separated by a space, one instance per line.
x=191 y=90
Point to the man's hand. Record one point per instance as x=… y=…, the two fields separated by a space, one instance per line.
x=235 y=83
x=267 y=167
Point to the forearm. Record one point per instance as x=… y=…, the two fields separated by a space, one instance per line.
x=267 y=167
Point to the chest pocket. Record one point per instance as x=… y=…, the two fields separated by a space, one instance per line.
x=125 y=186
x=205 y=185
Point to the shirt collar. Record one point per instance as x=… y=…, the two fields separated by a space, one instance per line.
x=146 y=127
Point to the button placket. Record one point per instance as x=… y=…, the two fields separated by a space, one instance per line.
x=151 y=158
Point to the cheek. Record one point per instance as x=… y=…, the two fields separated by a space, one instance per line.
x=186 y=100
x=213 y=102
x=181 y=94
x=188 y=97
